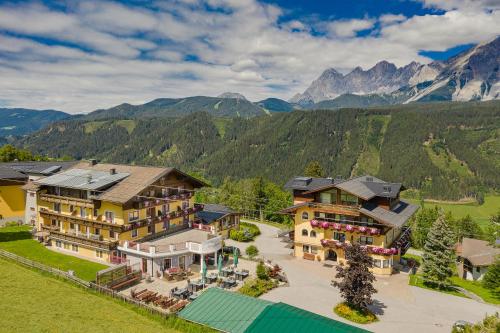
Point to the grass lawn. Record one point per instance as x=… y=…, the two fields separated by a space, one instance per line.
x=35 y=302
x=480 y=213
x=476 y=288
x=18 y=240
x=416 y=280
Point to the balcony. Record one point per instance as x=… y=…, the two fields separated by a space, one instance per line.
x=88 y=222
x=162 y=200
x=343 y=226
x=337 y=209
x=81 y=238
x=87 y=203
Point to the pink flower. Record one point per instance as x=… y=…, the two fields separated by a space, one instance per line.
x=362 y=229
x=314 y=223
x=374 y=231
x=337 y=226
x=349 y=227
x=325 y=225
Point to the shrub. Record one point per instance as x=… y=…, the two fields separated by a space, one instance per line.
x=247 y=232
x=489 y=324
x=257 y=287
x=11 y=224
x=354 y=314
x=252 y=251
x=262 y=271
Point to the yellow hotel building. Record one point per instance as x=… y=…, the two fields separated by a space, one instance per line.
x=331 y=214
x=91 y=208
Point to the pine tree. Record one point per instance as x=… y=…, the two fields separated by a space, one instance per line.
x=356 y=285
x=314 y=169
x=491 y=279
x=439 y=254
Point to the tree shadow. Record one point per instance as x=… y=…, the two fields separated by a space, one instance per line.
x=377 y=307
x=14 y=236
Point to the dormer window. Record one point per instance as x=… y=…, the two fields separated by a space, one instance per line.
x=305 y=216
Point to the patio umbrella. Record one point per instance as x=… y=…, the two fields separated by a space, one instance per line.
x=203 y=272
x=219 y=264
x=235 y=257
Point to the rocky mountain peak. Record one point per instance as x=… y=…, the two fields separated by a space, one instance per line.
x=232 y=95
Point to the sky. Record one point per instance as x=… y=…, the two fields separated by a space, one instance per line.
x=79 y=56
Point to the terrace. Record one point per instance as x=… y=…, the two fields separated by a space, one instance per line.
x=81 y=238
x=85 y=221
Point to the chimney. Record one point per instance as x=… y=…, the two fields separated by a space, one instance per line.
x=92 y=162
x=369 y=179
x=89 y=178
x=112 y=171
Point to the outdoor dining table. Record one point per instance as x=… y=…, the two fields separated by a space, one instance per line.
x=212 y=277
x=181 y=293
x=241 y=275
x=227 y=272
x=228 y=282
x=197 y=285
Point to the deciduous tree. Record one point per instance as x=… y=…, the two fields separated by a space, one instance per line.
x=356 y=280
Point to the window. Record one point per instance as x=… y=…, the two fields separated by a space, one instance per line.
x=386 y=263
x=96 y=212
x=314 y=249
x=478 y=269
x=165 y=225
x=98 y=253
x=326 y=197
x=150 y=212
x=305 y=216
x=83 y=212
x=133 y=216
x=32 y=194
x=58 y=243
x=366 y=240
x=71 y=208
x=112 y=234
x=313 y=233
x=150 y=229
x=57 y=207
x=164 y=209
x=74 y=248
x=97 y=231
x=348 y=199
x=110 y=217
x=339 y=236
x=377 y=263
x=72 y=226
x=66 y=246
x=306 y=248
x=134 y=233
x=304 y=232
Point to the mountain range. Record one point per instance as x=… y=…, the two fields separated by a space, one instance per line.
x=471 y=75
x=22 y=121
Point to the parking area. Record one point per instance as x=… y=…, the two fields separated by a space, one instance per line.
x=400 y=307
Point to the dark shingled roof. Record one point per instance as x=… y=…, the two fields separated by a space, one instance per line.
x=213 y=212
x=42 y=168
x=9 y=173
x=308 y=183
x=395 y=217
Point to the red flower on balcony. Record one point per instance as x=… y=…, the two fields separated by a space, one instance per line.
x=314 y=223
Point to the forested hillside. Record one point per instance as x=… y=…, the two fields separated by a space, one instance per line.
x=449 y=150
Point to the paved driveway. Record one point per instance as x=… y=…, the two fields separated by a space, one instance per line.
x=400 y=307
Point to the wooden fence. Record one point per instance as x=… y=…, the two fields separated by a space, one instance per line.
x=80 y=282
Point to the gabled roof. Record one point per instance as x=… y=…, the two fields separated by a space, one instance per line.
x=364 y=187
x=42 y=168
x=236 y=313
x=308 y=183
x=224 y=310
x=9 y=173
x=478 y=252
x=396 y=217
x=281 y=317
x=213 y=212
x=129 y=180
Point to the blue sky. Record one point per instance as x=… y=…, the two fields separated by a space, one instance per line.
x=80 y=56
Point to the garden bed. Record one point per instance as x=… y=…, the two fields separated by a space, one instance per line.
x=345 y=311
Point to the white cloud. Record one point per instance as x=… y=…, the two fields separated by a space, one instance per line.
x=132 y=54
x=391 y=18
x=349 y=28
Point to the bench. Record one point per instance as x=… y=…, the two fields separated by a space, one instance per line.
x=125 y=283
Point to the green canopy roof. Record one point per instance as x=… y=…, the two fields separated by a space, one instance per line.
x=232 y=312
x=224 y=310
x=281 y=317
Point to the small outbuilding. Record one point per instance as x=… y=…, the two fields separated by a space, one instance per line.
x=474 y=258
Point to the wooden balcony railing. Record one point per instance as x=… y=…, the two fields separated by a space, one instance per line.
x=81 y=238
x=85 y=221
x=337 y=209
x=87 y=203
